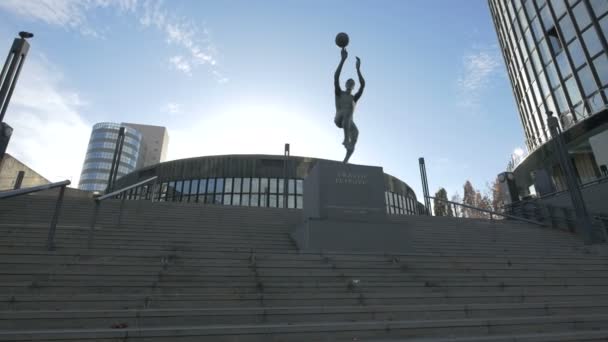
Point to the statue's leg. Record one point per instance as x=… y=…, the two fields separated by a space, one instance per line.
x=354 y=134
x=352 y=140
x=346 y=124
x=338 y=120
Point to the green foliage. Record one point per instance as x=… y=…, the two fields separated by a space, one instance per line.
x=441 y=207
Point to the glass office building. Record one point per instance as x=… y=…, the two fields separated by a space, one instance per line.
x=98 y=160
x=246 y=180
x=555 y=52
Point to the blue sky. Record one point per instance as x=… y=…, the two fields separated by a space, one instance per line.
x=247 y=76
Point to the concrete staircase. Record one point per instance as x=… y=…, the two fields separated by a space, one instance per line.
x=186 y=272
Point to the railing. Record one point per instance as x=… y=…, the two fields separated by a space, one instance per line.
x=490 y=212
x=562 y=218
x=50 y=242
x=112 y=194
x=603 y=220
x=596 y=181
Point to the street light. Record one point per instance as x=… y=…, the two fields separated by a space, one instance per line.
x=578 y=202
x=8 y=80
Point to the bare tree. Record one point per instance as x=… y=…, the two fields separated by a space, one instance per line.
x=457 y=209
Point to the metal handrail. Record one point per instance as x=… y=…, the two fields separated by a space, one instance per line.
x=517 y=218
x=19 y=192
x=598 y=180
x=50 y=241
x=99 y=199
x=547 y=213
x=583 y=115
x=127 y=188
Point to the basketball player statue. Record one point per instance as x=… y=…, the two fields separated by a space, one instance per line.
x=345 y=100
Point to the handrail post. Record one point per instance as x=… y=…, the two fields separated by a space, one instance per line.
x=122 y=204
x=604 y=224
x=93 y=221
x=50 y=242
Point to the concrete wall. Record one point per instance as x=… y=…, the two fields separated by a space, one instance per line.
x=599 y=145
x=10 y=167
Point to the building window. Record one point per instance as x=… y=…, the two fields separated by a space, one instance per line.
x=562 y=63
x=601 y=67
x=553 y=77
x=587 y=80
x=209 y=196
x=592 y=42
x=559 y=7
x=219 y=190
x=193 y=190
x=202 y=190
x=599 y=7
x=567 y=27
x=581 y=15
x=576 y=51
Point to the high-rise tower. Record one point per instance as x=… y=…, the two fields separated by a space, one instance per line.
x=98 y=160
x=555 y=52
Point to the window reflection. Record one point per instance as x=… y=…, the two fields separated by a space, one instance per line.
x=228 y=185
x=261 y=192
x=273 y=185
x=210 y=185
x=237 y=185
x=601 y=67
x=272 y=201
x=219 y=185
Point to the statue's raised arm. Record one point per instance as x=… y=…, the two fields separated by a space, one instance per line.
x=361 y=81
x=337 y=88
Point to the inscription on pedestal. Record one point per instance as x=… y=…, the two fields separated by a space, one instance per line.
x=344 y=191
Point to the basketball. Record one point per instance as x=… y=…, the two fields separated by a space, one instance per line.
x=342 y=39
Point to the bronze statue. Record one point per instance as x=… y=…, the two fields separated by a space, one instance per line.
x=346 y=101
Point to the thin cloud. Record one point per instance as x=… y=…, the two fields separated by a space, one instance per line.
x=191 y=41
x=181 y=64
x=480 y=66
x=50 y=135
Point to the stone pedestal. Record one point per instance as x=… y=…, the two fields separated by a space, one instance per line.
x=334 y=190
x=344 y=211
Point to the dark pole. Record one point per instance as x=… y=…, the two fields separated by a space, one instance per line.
x=285 y=180
x=8 y=80
x=19 y=180
x=576 y=196
x=425 y=186
x=116 y=159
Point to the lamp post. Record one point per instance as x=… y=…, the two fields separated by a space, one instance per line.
x=8 y=80
x=425 y=186
x=582 y=216
x=120 y=141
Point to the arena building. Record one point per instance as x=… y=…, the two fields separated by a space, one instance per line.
x=246 y=180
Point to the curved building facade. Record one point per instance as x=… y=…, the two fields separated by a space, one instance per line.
x=98 y=160
x=555 y=52
x=246 y=180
